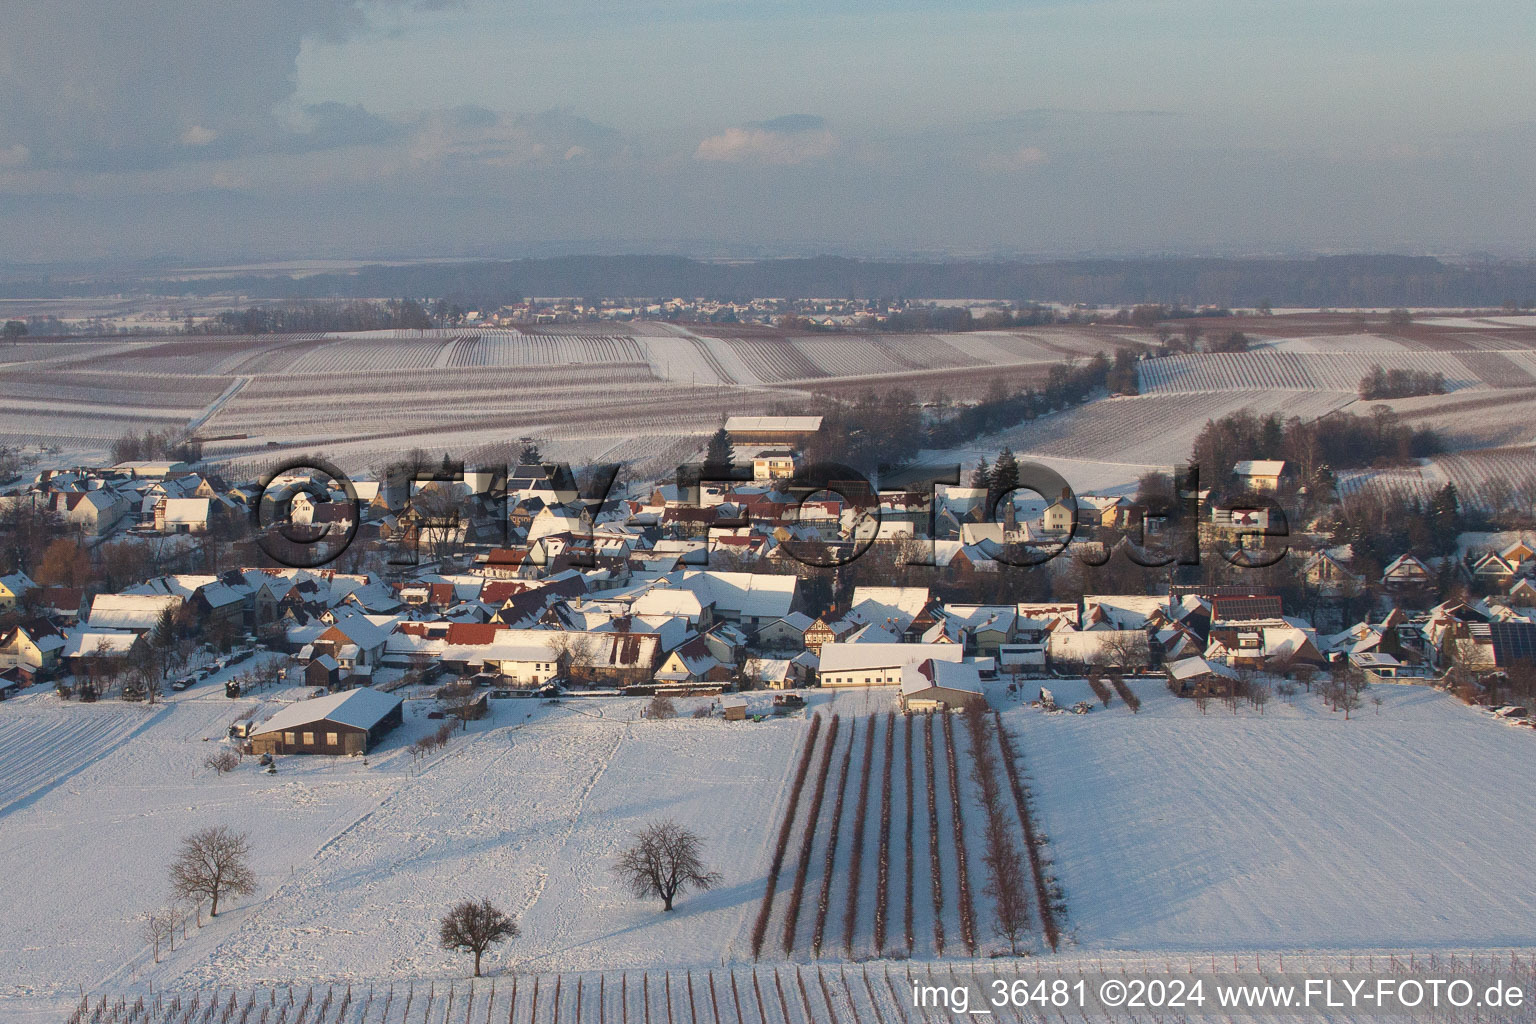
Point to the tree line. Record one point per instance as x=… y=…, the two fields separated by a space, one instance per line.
x=1314 y=448
x=318 y=317
x=1399 y=383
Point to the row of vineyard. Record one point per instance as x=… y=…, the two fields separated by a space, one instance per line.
x=1491 y=479
x=512 y=348
x=787 y=994
x=1296 y=371
x=885 y=844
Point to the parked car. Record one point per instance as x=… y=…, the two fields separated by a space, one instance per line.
x=183 y=683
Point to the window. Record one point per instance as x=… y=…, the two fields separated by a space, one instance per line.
x=333 y=739
x=289 y=737
x=309 y=739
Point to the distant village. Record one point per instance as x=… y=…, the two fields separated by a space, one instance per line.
x=137 y=578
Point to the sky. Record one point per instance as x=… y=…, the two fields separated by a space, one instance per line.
x=278 y=129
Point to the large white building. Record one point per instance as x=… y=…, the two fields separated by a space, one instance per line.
x=879 y=664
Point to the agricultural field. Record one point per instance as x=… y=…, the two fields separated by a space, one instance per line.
x=1108 y=444
x=881 y=845
x=1176 y=839
x=1470 y=419
x=42 y=747
x=1298 y=371
x=356 y=860
x=1288 y=830
x=1492 y=479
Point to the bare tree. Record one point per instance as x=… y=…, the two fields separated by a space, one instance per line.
x=158 y=926
x=475 y=926
x=222 y=761
x=1258 y=696
x=664 y=860
x=213 y=862
x=661 y=706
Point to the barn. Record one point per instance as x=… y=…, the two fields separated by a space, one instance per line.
x=350 y=722
x=750 y=430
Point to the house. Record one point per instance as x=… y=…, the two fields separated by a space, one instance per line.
x=982 y=628
x=823 y=631
x=181 y=515
x=895 y=609
x=33 y=649
x=1493 y=570
x=1488 y=648
x=1406 y=571
x=139 y=613
x=1260 y=474
x=878 y=664
x=932 y=685
x=86 y=646
x=1196 y=677
x=1058 y=517
x=13 y=588
x=775 y=464
x=694 y=662
x=1227 y=609
x=355 y=642
x=1325 y=571
x=62 y=604
x=94 y=513
x=1377 y=666
x=1126 y=649
x=349 y=722
x=785 y=634
x=322 y=671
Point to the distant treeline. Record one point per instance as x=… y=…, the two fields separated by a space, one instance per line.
x=317 y=317
x=1331 y=281
x=889 y=428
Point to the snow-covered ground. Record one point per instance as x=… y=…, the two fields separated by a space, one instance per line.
x=358 y=860
x=1171 y=832
x=1405 y=827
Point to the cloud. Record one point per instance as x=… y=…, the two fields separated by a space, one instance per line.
x=1021 y=159
x=466 y=137
x=783 y=141
x=197 y=135
x=147 y=84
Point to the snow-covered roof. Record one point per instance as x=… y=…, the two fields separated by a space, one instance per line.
x=130 y=611
x=927 y=674
x=186 y=511
x=362 y=708
x=88 y=643
x=809 y=424
x=1191 y=668
x=864 y=657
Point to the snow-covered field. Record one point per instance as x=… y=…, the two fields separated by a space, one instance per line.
x=1405 y=827
x=358 y=861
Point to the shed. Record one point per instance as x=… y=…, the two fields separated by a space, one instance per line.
x=351 y=722
x=733 y=709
